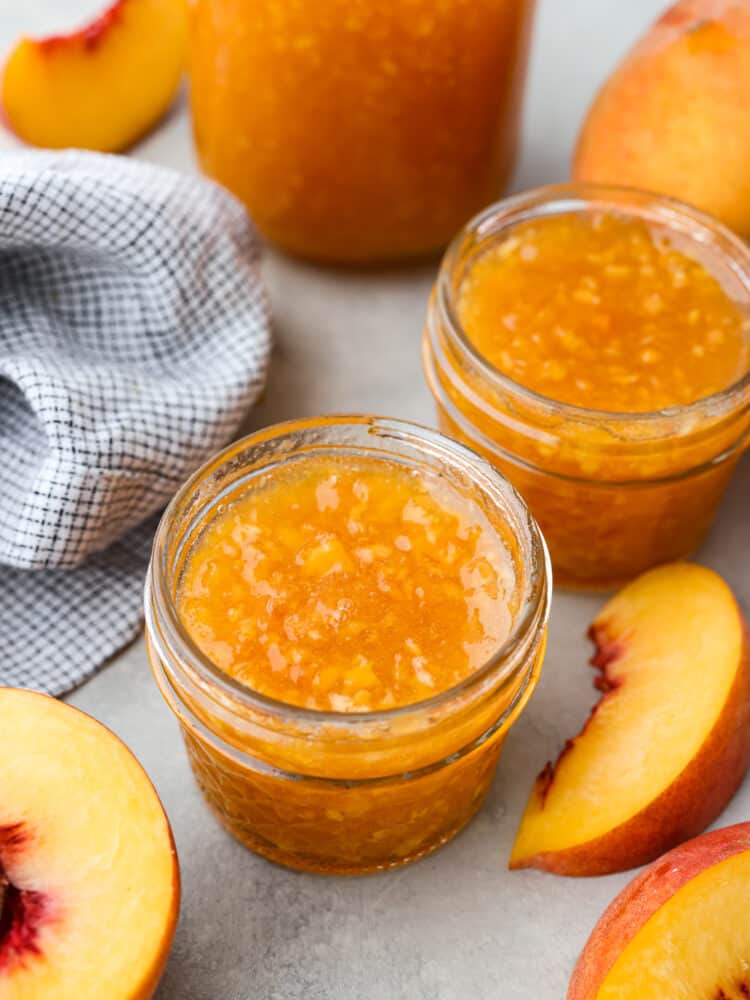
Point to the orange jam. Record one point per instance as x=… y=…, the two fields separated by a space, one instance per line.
x=594 y=343
x=352 y=586
x=600 y=311
x=359 y=129
x=346 y=615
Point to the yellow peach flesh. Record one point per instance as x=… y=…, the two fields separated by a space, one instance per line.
x=99 y=88
x=696 y=944
x=93 y=843
x=674 y=640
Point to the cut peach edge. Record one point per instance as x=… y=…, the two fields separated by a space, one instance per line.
x=90 y=35
x=650 y=832
x=643 y=896
x=151 y=976
x=606 y=651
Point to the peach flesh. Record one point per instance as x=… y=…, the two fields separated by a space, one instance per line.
x=89 y=878
x=102 y=86
x=667 y=744
x=23 y=912
x=646 y=935
x=606 y=653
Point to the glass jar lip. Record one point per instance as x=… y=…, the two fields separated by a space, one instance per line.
x=157 y=591
x=556 y=199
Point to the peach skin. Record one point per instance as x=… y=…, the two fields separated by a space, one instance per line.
x=679 y=930
x=101 y=87
x=89 y=881
x=673 y=117
x=668 y=742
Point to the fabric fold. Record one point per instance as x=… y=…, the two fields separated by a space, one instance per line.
x=134 y=336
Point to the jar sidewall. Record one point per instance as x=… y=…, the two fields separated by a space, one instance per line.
x=721 y=441
x=347 y=766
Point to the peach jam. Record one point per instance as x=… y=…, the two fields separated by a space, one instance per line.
x=600 y=311
x=349 y=586
x=346 y=615
x=359 y=129
x=595 y=344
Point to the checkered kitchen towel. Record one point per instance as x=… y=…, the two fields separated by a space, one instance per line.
x=134 y=335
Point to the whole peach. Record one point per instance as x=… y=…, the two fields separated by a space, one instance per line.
x=673 y=117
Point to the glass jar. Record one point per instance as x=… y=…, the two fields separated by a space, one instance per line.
x=344 y=792
x=357 y=130
x=614 y=493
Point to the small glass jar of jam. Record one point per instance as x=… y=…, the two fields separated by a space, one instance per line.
x=346 y=615
x=594 y=344
x=359 y=130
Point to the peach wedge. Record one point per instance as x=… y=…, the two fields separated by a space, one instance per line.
x=668 y=742
x=101 y=87
x=89 y=883
x=679 y=930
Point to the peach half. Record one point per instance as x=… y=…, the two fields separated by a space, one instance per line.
x=680 y=929
x=89 y=882
x=668 y=742
x=101 y=87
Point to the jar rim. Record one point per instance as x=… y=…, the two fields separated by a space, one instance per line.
x=558 y=199
x=158 y=595
x=478 y=438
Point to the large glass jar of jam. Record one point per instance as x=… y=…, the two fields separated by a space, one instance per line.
x=594 y=343
x=346 y=615
x=358 y=130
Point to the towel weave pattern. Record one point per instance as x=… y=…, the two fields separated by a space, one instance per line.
x=134 y=335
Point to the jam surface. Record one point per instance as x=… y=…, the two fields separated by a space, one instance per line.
x=603 y=312
x=348 y=586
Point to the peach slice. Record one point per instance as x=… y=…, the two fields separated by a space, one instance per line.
x=669 y=741
x=89 y=882
x=101 y=87
x=680 y=929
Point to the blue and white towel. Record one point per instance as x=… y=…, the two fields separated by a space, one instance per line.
x=134 y=336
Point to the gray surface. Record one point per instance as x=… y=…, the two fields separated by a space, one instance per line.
x=456 y=925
